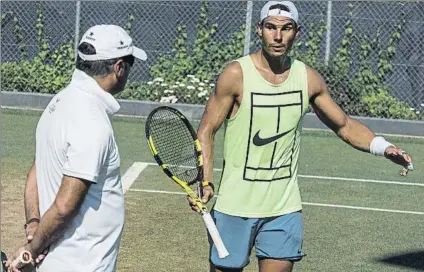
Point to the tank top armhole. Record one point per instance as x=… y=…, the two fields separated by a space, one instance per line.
x=306 y=86
x=242 y=61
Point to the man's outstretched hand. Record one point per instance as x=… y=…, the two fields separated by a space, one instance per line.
x=399 y=156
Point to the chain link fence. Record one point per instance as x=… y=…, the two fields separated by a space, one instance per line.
x=370 y=53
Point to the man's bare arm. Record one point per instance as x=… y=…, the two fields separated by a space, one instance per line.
x=217 y=108
x=349 y=130
x=31 y=195
x=32 y=210
x=67 y=203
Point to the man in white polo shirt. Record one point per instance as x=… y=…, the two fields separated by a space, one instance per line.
x=74 y=201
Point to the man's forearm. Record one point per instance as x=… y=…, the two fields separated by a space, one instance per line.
x=31 y=195
x=206 y=141
x=68 y=201
x=49 y=230
x=357 y=135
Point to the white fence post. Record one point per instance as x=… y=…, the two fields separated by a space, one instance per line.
x=328 y=37
x=248 y=28
x=77 y=27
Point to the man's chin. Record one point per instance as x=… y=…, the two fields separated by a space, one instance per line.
x=277 y=54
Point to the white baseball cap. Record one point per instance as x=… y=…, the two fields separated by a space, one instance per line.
x=271 y=9
x=110 y=42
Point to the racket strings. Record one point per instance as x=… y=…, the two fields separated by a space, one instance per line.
x=174 y=144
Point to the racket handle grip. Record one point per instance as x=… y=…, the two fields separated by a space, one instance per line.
x=213 y=232
x=24 y=258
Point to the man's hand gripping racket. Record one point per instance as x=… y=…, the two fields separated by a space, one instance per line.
x=23 y=260
x=177 y=151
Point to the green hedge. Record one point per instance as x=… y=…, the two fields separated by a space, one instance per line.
x=187 y=73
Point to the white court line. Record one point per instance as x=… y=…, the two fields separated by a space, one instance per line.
x=304 y=203
x=363 y=180
x=382 y=134
x=132 y=174
x=360 y=208
x=343 y=179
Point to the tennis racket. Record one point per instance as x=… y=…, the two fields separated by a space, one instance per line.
x=23 y=260
x=177 y=150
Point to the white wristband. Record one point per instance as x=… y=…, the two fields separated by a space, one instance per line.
x=378 y=146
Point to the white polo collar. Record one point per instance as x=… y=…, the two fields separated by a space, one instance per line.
x=87 y=84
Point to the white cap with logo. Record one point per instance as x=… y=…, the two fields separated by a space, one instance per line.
x=110 y=42
x=272 y=9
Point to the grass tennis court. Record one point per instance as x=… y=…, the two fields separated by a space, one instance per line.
x=359 y=213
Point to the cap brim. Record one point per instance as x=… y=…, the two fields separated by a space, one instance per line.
x=139 y=53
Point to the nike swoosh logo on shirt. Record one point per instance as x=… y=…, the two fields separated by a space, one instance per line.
x=258 y=141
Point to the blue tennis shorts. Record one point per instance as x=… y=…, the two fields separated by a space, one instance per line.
x=279 y=237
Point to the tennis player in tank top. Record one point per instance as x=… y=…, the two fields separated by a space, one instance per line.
x=263 y=97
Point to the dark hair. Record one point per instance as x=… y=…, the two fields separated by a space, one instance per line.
x=99 y=68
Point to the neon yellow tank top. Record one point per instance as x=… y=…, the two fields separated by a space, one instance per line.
x=261 y=146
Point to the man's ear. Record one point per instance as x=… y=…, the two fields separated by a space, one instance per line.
x=259 y=29
x=119 y=67
x=299 y=28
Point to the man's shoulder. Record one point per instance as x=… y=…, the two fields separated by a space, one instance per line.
x=245 y=64
x=309 y=69
x=243 y=58
x=84 y=111
x=80 y=102
x=232 y=71
x=244 y=61
x=316 y=82
x=313 y=74
x=298 y=63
